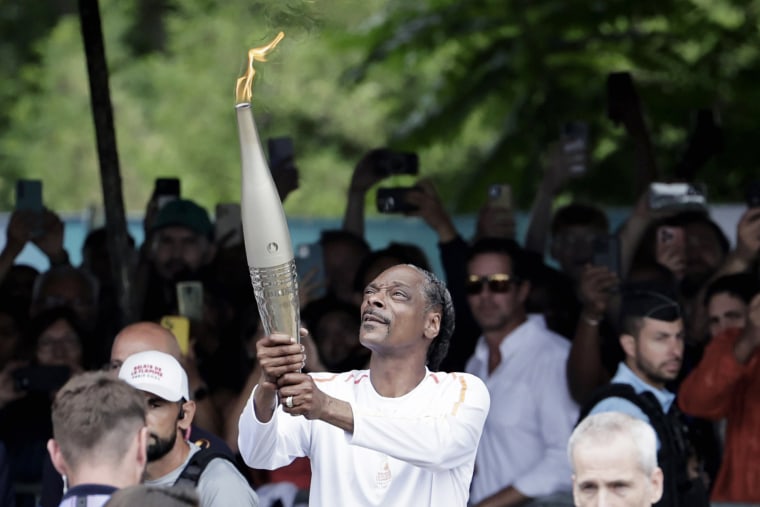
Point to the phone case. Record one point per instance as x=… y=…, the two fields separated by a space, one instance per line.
x=180 y=328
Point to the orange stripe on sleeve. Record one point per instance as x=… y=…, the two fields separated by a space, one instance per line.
x=462 y=391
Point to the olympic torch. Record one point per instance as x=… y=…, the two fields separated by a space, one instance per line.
x=268 y=246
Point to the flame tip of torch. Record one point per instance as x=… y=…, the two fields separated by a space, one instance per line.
x=244 y=84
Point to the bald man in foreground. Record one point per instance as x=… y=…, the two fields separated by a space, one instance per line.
x=614 y=461
x=145 y=336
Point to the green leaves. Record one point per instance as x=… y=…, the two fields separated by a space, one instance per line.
x=478 y=88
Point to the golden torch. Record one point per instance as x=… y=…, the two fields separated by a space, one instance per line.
x=265 y=230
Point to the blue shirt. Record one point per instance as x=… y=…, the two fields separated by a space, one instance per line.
x=625 y=375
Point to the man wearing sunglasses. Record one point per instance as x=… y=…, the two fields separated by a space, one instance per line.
x=521 y=455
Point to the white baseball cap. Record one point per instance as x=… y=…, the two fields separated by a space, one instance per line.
x=156 y=373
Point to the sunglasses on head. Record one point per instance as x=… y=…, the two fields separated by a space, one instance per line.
x=499 y=282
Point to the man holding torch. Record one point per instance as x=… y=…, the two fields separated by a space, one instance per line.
x=396 y=434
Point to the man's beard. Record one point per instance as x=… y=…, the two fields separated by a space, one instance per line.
x=161 y=447
x=652 y=373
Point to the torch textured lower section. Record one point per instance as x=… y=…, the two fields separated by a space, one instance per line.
x=276 y=291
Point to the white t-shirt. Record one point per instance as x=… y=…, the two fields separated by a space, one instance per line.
x=417 y=449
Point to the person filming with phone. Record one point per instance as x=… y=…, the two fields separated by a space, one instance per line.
x=181 y=247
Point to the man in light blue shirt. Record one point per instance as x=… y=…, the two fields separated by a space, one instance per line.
x=652 y=337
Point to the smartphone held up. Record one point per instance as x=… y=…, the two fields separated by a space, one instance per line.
x=574 y=140
x=677 y=196
x=388 y=162
x=166 y=190
x=29 y=200
x=394 y=199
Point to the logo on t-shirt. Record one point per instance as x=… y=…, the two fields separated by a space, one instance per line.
x=383 y=477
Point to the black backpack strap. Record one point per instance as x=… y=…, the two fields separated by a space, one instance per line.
x=197 y=464
x=614 y=390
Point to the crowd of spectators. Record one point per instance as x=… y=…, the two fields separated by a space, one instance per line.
x=537 y=318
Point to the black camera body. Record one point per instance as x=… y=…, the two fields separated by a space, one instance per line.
x=393 y=200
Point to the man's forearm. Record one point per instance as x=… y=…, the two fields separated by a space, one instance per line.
x=540 y=221
x=264 y=403
x=585 y=370
x=353 y=219
x=338 y=413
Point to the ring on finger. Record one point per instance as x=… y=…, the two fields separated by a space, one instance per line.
x=289 y=402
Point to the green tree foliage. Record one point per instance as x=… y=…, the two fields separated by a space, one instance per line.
x=479 y=88
x=173 y=105
x=526 y=67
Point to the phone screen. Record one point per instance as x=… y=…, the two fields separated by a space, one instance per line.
x=574 y=139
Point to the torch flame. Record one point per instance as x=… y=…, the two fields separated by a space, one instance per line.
x=244 y=85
